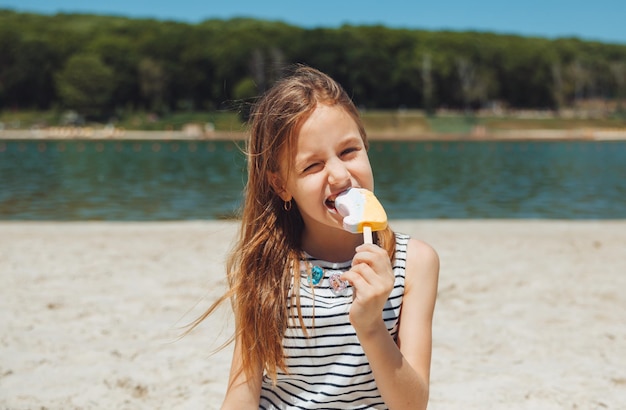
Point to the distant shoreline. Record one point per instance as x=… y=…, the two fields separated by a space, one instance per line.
x=504 y=135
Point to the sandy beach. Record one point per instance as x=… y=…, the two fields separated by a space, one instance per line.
x=530 y=314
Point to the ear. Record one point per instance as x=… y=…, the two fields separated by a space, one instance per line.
x=278 y=186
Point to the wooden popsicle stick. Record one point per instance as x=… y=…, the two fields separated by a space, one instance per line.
x=367 y=234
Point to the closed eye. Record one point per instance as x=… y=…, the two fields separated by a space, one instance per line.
x=310 y=167
x=349 y=151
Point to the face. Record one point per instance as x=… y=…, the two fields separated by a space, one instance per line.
x=329 y=158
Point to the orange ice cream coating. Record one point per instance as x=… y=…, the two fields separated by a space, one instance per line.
x=360 y=208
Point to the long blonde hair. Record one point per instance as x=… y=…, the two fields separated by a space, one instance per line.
x=259 y=267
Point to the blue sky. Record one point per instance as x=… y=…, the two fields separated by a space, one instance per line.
x=602 y=20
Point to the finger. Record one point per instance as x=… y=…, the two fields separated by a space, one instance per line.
x=363 y=277
x=367 y=258
x=355 y=276
x=380 y=264
x=369 y=248
x=360 y=287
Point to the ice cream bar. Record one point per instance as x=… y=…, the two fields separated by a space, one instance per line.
x=361 y=212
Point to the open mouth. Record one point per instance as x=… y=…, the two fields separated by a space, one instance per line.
x=330 y=204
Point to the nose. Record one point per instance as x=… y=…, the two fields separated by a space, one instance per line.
x=338 y=173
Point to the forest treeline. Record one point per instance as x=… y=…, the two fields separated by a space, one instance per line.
x=102 y=65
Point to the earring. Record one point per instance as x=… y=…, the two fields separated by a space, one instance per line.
x=287 y=205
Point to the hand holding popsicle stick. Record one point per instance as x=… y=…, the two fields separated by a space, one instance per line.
x=361 y=211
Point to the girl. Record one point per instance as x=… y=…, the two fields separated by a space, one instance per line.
x=302 y=340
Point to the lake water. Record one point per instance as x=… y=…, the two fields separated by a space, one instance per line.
x=183 y=180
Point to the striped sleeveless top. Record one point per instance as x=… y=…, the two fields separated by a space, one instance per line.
x=328 y=369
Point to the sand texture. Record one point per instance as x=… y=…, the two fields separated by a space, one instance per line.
x=530 y=314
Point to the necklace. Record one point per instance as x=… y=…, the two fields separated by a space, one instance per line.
x=315 y=275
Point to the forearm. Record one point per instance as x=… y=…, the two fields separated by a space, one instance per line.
x=400 y=386
x=243 y=394
x=244 y=389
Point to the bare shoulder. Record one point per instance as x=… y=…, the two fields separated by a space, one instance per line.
x=418 y=305
x=422 y=264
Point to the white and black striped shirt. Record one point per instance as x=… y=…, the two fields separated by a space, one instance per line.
x=328 y=369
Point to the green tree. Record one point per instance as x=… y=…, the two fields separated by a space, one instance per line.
x=167 y=65
x=120 y=55
x=10 y=41
x=86 y=85
x=153 y=83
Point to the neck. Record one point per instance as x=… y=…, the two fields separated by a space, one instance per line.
x=333 y=245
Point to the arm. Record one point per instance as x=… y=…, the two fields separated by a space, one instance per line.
x=402 y=370
x=242 y=392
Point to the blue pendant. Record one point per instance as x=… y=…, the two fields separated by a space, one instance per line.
x=317 y=274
